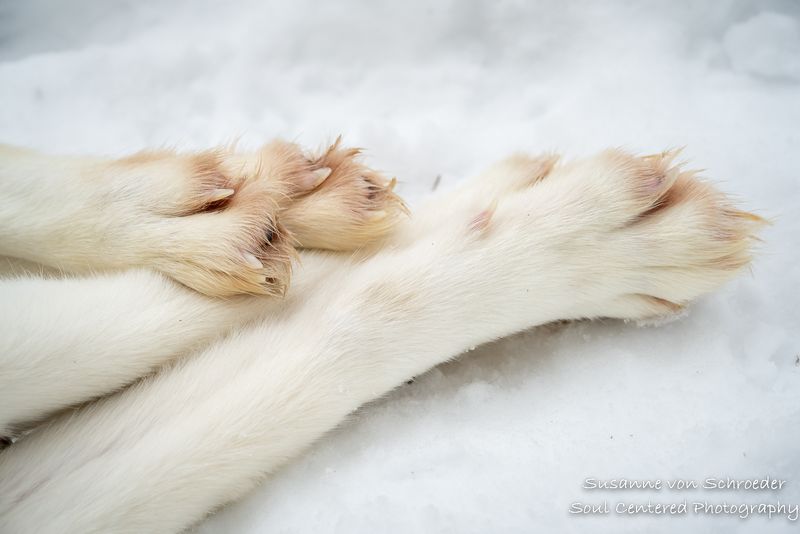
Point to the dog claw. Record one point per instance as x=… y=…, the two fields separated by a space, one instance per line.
x=252 y=261
x=316 y=177
x=220 y=194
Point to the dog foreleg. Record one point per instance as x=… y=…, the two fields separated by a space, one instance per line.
x=611 y=236
x=212 y=220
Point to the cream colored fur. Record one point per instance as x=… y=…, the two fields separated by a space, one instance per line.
x=526 y=243
x=220 y=221
x=80 y=213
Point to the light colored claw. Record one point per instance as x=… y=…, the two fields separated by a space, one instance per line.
x=252 y=261
x=672 y=175
x=316 y=177
x=376 y=215
x=220 y=194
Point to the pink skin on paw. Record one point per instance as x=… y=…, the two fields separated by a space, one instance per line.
x=481 y=221
x=665 y=180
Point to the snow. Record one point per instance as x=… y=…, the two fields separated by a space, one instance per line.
x=765 y=45
x=502 y=439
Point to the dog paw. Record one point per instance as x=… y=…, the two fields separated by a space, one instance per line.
x=232 y=243
x=224 y=222
x=214 y=226
x=685 y=240
x=677 y=236
x=637 y=237
x=351 y=208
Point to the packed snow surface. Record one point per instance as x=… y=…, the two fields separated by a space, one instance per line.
x=504 y=438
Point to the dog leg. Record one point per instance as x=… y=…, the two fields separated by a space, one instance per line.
x=210 y=220
x=612 y=235
x=65 y=341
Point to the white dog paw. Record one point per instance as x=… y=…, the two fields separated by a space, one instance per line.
x=628 y=237
x=353 y=207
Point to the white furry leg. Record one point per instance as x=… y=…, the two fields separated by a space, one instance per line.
x=591 y=236
x=65 y=341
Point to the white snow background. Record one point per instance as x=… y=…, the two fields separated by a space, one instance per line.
x=502 y=439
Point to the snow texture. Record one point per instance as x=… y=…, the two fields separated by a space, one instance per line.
x=502 y=439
